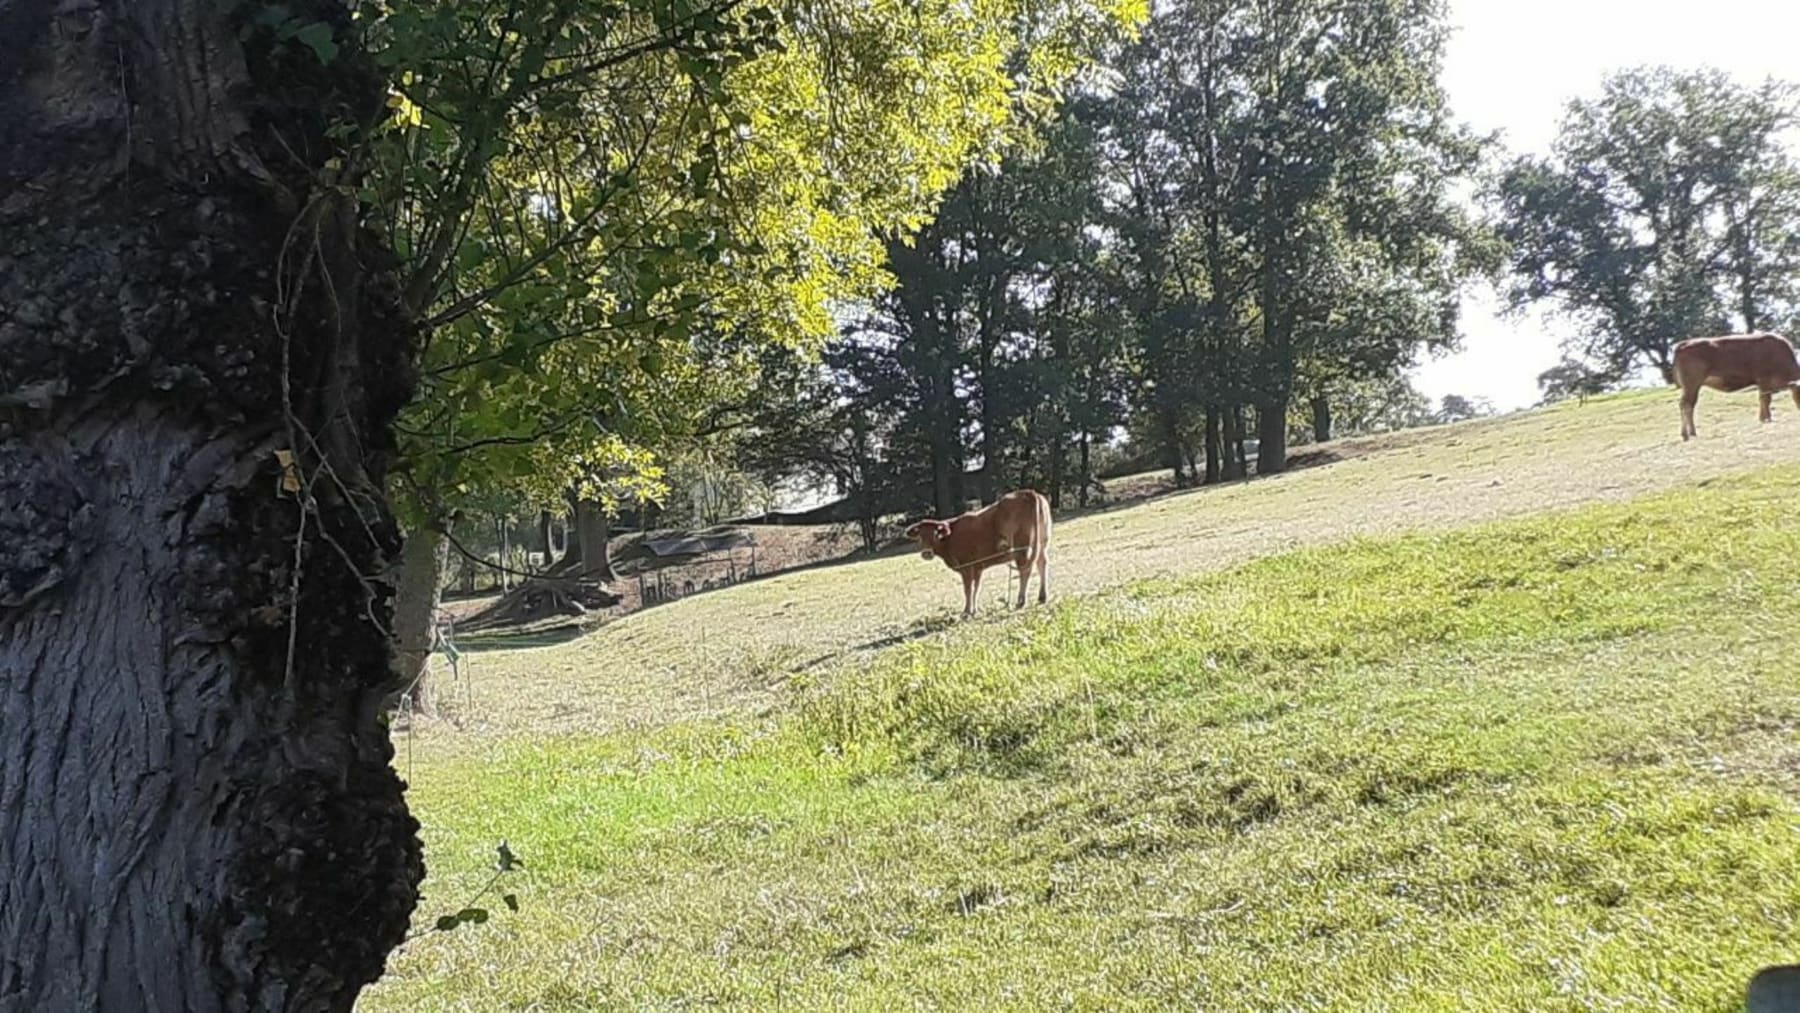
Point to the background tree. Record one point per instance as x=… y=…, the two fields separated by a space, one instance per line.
x=1666 y=210
x=1290 y=169
x=1572 y=378
x=1458 y=408
x=1252 y=202
x=614 y=238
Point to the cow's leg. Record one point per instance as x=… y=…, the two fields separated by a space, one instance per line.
x=1763 y=414
x=1043 y=569
x=971 y=591
x=1690 y=393
x=1023 y=565
x=1795 y=390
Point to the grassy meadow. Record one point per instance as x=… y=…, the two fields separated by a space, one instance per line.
x=1497 y=716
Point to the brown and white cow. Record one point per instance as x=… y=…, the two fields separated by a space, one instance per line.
x=1014 y=529
x=1733 y=363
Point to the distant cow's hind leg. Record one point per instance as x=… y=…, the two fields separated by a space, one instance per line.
x=1023 y=565
x=971 y=587
x=1043 y=569
x=1689 y=395
x=1763 y=414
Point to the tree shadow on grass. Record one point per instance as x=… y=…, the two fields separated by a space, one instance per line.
x=549 y=636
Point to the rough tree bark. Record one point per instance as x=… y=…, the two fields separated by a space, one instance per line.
x=1321 y=419
x=422 y=562
x=197 y=807
x=595 y=526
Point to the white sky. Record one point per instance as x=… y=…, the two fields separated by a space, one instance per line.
x=1514 y=64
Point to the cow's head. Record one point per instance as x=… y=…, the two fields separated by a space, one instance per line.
x=928 y=534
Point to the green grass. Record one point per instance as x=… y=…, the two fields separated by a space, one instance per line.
x=1546 y=763
x=733 y=651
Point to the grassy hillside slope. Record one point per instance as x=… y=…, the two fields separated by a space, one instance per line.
x=1543 y=763
x=735 y=649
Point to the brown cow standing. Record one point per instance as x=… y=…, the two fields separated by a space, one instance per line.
x=1015 y=529
x=1733 y=363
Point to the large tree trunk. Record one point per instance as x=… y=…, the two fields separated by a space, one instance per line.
x=197 y=806
x=422 y=561
x=1321 y=418
x=595 y=526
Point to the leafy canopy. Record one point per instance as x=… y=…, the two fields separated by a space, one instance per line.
x=604 y=207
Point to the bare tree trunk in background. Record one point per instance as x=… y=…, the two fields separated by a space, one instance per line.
x=197 y=806
x=422 y=561
x=1087 y=472
x=571 y=554
x=1271 y=437
x=1234 y=443
x=595 y=529
x=943 y=485
x=1214 y=446
x=1321 y=418
x=505 y=554
x=545 y=543
x=1173 y=456
x=988 y=340
x=868 y=518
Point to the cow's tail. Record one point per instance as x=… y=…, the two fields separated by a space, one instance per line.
x=1042 y=541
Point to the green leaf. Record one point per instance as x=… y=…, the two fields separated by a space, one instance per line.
x=317 y=36
x=447 y=923
x=472 y=915
x=512 y=901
